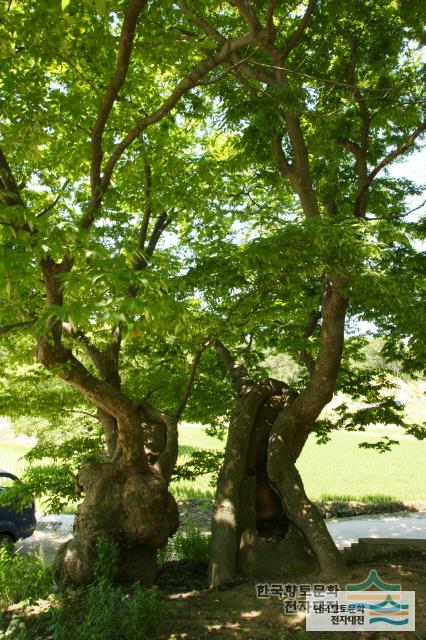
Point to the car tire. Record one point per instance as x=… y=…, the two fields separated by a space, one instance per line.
x=6 y=542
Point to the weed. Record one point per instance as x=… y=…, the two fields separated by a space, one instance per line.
x=190 y=544
x=23 y=577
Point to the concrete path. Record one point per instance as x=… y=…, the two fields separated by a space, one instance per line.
x=345 y=531
x=52 y=531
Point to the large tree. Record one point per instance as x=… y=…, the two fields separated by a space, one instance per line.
x=328 y=96
x=219 y=122
x=88 y=189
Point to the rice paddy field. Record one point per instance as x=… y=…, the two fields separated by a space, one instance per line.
x=336 y=470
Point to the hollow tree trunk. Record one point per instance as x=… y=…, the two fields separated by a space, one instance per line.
x=263 y=521
x=252 y=532
x=225 y=532
x=288 y=484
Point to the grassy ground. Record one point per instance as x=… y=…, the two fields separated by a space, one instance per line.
x=184 y=609
x=336 y=470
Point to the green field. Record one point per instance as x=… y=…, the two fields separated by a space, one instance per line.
x=10 y=457
x=337 y=469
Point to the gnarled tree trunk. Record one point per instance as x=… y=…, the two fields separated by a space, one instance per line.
x=263 y=521
x=126 y=500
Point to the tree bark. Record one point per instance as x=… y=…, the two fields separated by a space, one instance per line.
x=225 y=533
x=126 y=500
x=259 y=477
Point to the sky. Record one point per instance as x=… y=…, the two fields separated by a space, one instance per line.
x=414 y=168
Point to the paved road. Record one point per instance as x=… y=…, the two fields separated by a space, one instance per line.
x=52 y=531
x=345 y=531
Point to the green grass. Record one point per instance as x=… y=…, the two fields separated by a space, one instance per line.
x=341 y=467
x=10 y=454
x=338 y=497
x=338 y=470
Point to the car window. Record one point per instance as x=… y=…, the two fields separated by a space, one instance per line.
x=6 y=482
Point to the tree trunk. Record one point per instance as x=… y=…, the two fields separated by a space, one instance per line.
x=263 y=522
x=126 y=499
x=286 y=480
x=124 y=502
x=225 y=533
x=252 y=531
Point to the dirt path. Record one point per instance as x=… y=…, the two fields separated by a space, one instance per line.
x=235 y=613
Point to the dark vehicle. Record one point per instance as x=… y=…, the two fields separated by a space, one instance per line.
x=15 y=524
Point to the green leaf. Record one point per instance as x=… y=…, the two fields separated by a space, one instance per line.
x=101 y=7
x=64 y=4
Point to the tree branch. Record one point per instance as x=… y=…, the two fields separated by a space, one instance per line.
x=53 y=204
x=11 y=194
x=246 y=11
x=270 y=27
x=399 y=151
x=238 y=64
x=185 y=85
x=306 y=357
x=128 y=31
x=7 y=328
x=148 y=206
x=297 y=420
x=297 y=35
x=360 y=151
x=188 y=387
x=237 y=372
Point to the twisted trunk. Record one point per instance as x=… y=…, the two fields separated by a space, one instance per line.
x=263 y=521
x=126 y=499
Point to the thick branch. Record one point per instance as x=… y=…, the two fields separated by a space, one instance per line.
x=247 y=12
x=296 y=421
x=298 y=172
x=102 y=394
x=7 y=328
x=237 y=372
x=125 y=46
x=297 y=35
x=185 y=85
x=11 y=194
x=270 y=27
x=237 y=64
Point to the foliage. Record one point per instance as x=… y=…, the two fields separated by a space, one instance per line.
x=200 y=463
x=190 y=544
x=23 y=577
x=109 y=611
x=53 y=483
x=107 y=560
x=99 y=611
x=158 y=197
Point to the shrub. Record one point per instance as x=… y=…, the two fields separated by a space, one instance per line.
x=190 y=544
x=23 y=577
x=108 y=612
